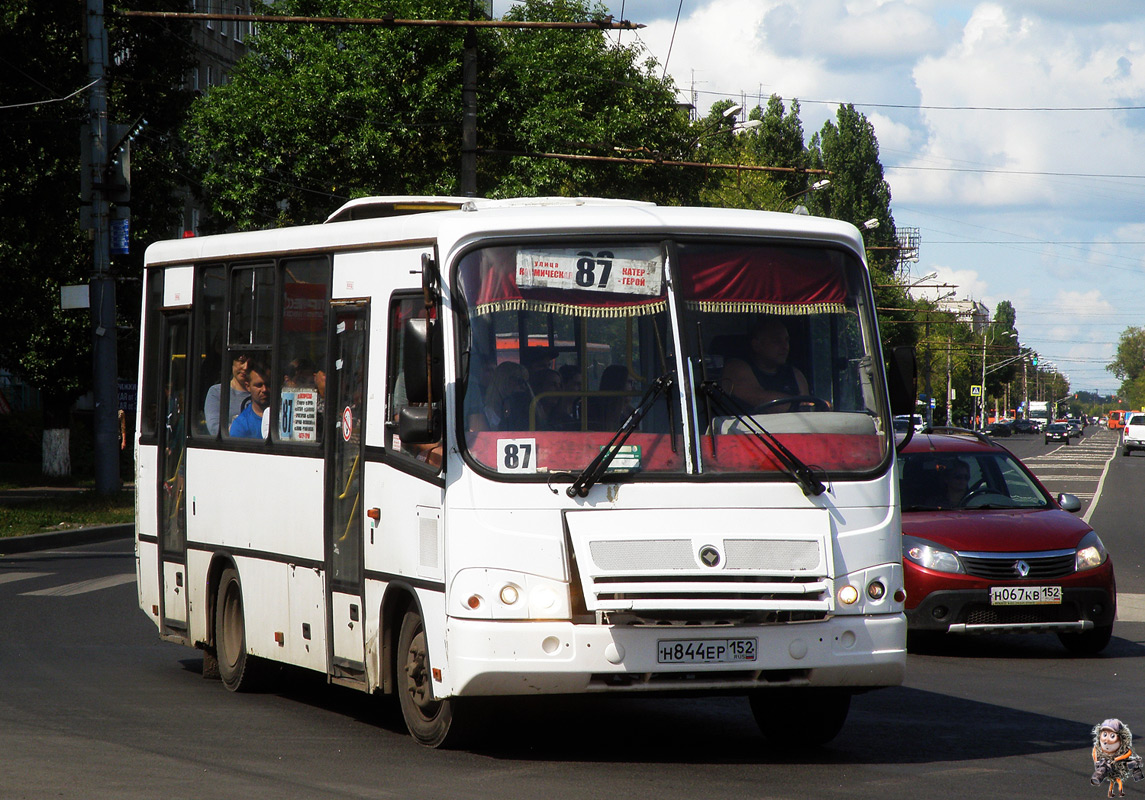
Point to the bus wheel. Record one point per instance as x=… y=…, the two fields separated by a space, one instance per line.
x=429 y=720
x=237 y=669
x=797 y=718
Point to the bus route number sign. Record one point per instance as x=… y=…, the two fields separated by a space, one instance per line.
x=633 y=271
x=517 y=456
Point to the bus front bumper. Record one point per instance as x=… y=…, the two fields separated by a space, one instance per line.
x=512 y=657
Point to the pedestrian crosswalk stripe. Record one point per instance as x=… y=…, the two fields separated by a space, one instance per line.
x=83 y=587
x=1130 y=607
x=10 y=577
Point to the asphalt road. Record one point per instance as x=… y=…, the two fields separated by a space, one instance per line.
x=93 y=705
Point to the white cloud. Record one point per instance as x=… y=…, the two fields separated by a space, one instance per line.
x=1005 y=59
x=1038 y=240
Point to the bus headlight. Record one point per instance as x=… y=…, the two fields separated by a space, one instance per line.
x=875 y=590
x=504 y=594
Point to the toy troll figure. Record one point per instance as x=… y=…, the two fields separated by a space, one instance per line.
x=1113 y=756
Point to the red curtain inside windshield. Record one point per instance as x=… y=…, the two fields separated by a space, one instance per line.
x=763 y=280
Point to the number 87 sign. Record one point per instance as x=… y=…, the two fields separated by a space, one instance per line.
x=517 y=456
x=629 y=270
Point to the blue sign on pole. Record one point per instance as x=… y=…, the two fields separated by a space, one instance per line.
x=119 y=237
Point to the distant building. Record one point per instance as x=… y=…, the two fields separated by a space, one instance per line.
x=970 y=311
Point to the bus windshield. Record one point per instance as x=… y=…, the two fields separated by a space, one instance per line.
x=559 y=342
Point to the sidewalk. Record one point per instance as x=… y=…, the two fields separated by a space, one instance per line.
x=54 y=539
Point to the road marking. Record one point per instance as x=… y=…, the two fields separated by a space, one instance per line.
x=1130 y=607
x=10 y=577
x=1097 y=492
x=1043 y=476
x=83 y=587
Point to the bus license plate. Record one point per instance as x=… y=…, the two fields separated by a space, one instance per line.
x=1025 y=595
x=705 y=651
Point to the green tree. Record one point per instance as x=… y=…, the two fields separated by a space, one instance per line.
x=1002 y=346
x=859 y=194
x=41 y=55
x=576 y=92
x=778 y=142
x=316 y=114
x=1128 y=366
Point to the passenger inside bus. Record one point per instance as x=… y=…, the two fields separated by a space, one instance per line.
x=609 y=413
x=570 y=405
x=763 y=375
x=507 y=400
x=249 y=424
x=300 y=373
x=550 y=413
x=239 y=395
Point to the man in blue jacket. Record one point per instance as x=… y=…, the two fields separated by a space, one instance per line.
x=253 y=422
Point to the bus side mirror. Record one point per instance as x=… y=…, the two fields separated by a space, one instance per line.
x=901 y=380
x=418 y=425
x=430 y=279
x=415 y=360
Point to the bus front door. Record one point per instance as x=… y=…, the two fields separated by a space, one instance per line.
x=172 y=494
x=345 y=409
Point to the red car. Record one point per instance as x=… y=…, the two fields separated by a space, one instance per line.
x=986 y=549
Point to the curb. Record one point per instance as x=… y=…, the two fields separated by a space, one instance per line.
x=69 y=538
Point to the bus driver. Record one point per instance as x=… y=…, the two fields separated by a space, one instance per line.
x=764 y=374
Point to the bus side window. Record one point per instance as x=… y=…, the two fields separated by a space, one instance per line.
x=402 y=309
x=210 y=332
x=302 y=345
x=149 y=409
x=250 y=328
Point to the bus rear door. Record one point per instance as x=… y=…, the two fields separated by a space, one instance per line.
x=172 y=474
x=345 y=412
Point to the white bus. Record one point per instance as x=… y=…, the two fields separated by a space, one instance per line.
x=492 y=448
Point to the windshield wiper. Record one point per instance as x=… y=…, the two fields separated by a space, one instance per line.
x=808 y=481
x=596 y=468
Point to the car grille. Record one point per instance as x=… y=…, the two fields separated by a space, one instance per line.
x=1020 y=615
x=1002 y=566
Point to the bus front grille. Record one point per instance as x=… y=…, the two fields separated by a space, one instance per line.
x=680 y=563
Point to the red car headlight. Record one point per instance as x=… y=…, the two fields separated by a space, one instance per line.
x=929 y=555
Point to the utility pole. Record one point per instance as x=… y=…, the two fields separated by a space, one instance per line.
x=101 y=289
x=469 y=110
x=949 y=387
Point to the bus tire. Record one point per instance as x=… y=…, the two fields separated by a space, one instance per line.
x=237 y=669
x=429 y=720
x=797 y=718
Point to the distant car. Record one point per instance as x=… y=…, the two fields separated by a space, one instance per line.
x=1133 y=434
x=1025 y=426
x=904 y=421
x=999 y=429
x=1074 y=428
x=986 y=549
x=1057 y=432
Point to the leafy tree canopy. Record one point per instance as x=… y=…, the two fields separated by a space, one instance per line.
x=317 y=114
x=41 y=61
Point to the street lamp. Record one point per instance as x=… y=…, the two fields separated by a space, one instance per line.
x=718 y=126
x=815 y=187
x=982 y=400
x=871 y=224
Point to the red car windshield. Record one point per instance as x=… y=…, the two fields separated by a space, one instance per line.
x=937 y=480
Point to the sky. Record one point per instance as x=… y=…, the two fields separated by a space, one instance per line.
x=1012 y=135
